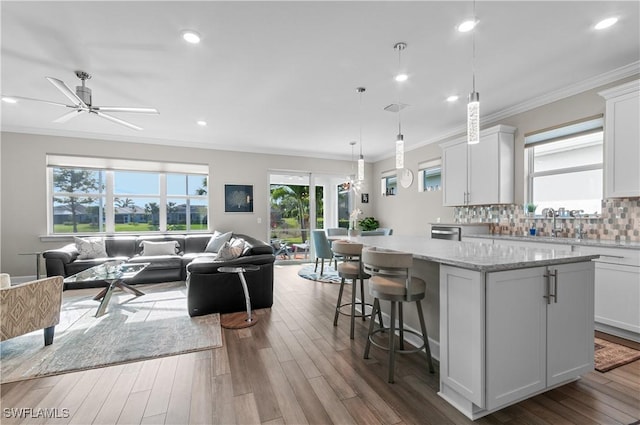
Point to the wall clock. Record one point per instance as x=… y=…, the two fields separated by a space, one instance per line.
x=406 y=178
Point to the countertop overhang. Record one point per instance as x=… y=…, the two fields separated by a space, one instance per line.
x=475 y=255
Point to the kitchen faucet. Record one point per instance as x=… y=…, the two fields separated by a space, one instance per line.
x=577 y=214
x=553 y=214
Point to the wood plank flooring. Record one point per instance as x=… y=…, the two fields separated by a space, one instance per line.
x=295 y=367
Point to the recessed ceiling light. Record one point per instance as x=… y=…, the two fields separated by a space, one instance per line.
x=452 y=98
x=202 y=123
x=606 y=23
x=9 y=100
x=191 y=37
x=402 y=77
x=467 y=26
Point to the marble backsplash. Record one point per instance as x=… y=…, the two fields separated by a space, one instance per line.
x=619 y=220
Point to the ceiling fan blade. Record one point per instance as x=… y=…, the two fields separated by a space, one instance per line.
x=66 y=117
x=116 y=120
x=39 y=100
x=60 y=85
x=125 y=109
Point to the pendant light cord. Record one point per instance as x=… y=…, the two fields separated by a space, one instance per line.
x=399 y=104
x=360 y=90
x=473 y=44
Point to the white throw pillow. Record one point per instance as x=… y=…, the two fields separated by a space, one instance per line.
x=231 y=250
x=90 y=248
x=5 y=280
x=159 y=248
x=217 y=240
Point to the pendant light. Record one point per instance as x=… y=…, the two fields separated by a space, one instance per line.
x=361 y=90
x=400 y=78
x=473 y=106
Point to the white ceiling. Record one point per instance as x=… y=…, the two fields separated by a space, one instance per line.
x=281 y=76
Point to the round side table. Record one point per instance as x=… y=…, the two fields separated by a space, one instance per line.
x=238 y=320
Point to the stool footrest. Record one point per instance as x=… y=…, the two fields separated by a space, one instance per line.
x=357 y=314
x=399 y=351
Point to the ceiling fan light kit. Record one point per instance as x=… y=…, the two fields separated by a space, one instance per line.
x=82 y=102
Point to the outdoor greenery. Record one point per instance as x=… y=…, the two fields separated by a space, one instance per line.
x=70 y=181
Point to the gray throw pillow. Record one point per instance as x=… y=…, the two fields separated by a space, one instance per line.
x=217 y=240
x=90 y=248
x=159 y=248
x=231 y=250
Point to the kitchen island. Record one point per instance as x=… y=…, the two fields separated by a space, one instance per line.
x=513 y=321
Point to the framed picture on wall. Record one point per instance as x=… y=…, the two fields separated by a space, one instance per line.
x=238 y=198
x=365 y=198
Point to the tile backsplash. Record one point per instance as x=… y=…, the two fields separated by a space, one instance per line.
x=619 y=220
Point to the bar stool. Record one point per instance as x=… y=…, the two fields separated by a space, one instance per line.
x=351 y=268
x=391 y=280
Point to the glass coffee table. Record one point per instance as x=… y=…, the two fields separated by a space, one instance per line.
x=114 y=273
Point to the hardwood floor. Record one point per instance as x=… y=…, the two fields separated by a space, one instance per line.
x=295 y=367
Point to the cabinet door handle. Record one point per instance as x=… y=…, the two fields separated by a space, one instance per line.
x=554 y=274
x=547 y=283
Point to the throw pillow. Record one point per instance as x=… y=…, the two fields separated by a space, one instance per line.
x=90 y=248
x=5 y=280
x=217 y=240
x=159 y=248
x=231 y=250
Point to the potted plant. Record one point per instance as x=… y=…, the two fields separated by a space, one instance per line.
x=530 y=208
x=369 y=223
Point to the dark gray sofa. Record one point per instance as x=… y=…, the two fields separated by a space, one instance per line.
x=163 y=268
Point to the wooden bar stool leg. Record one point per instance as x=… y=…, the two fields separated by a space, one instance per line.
x=425 y=336
x=392 y=341
x=335 y=319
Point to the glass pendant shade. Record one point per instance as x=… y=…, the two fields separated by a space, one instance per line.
x=400 y=151
x=473 y=118
x=361 y=168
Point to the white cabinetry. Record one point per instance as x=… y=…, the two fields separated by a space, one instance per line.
x=479 y=174
x=507 y=335
x=617 y=291
x=622 y=141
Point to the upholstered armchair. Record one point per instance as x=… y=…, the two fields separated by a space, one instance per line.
x=31 y=306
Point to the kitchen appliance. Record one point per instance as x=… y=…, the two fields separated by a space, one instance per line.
x=455 y=232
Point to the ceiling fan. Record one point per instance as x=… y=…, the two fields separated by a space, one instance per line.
x=81 y=99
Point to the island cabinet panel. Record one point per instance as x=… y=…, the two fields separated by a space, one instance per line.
x=516 y=335
x=462 y=331
x=507 y=335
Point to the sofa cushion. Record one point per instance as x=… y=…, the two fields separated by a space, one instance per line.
x=158 y=261
x=90 y=248
x=150 y=248
x=160 y=238
x=196 y=243
x=217 y=240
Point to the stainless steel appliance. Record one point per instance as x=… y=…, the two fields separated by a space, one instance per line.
x=452 y=233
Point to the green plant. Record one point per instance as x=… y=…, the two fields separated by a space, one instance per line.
x=531 y=207
x=369 y=223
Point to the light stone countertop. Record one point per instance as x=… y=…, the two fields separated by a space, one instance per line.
x=476 y=255
x=603 y=243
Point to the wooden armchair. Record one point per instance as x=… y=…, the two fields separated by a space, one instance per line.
x=31 y=306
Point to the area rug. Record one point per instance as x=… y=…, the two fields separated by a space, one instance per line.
x=609 y=355
x=135 y=328
x=329 y=274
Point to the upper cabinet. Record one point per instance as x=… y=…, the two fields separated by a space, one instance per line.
x=622 y=141
x=479 y=174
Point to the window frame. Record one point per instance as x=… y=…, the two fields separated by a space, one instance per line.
x=558 y=134
x=423 y=168
x=110 y=167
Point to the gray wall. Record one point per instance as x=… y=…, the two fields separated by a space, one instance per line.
x=23 y=186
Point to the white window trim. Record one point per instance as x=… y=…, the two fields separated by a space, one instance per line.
x=423 y=167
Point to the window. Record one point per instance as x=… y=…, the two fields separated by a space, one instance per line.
x=389 y=185
x=108 y=200
x=430 y=175
x=565 y=167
